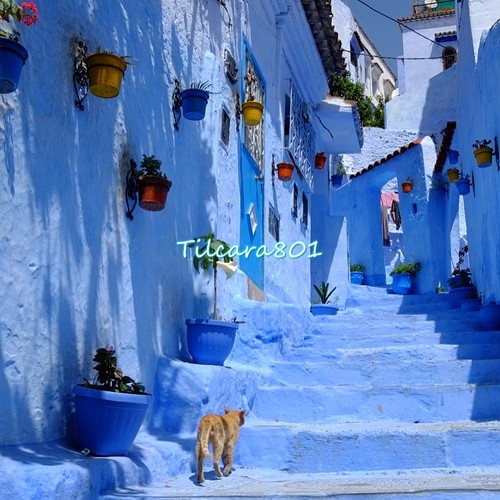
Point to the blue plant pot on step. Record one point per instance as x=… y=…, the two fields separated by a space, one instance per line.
x=194 y=103
x=402 y=283
x=210 y=342
x=12 y=58
x=357 y=277
x=108 y=422
x=324 y=310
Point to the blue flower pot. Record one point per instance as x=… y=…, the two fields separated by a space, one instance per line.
x=324 y=310
x=194 y=103
x=402 y=283
x=470 y=305
x=453 y=156
x=12 y=58
x=210 y=342
x=337 y=180
x=108 y=422
x=357 y=277
x=463 y=186
x=459 y=294
x=489 y=316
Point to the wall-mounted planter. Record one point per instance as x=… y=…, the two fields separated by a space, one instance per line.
x=463 y=186
x=252 y=112
x=194 y=103
x=484 y=156
x=320 y=161
x=407 y=186
x=105 y=72
x=285 y=171
x=402 y=283
x=337 y=180
x=453 y=156
x=153 y=192
x=12 y=58
x=452 y=174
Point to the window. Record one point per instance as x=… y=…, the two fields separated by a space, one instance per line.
x=305 y=209
x=449 y=57
x=295 y=200
x=274 y=223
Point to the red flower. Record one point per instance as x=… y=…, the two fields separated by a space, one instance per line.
x=30 y=13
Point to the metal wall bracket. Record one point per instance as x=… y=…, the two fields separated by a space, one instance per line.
x=496 y=154
x=80 y=75
x=177 y=104
x=131 y=189
x=237 y=109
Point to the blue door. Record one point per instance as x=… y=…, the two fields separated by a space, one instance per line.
x=252 y=183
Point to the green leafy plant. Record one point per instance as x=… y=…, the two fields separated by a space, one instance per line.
x=25 y=12
x=370 y=116
x=324 y=291
x=214 y=253
x=412 y=268
x=481 y=143
x=339 y=167
x=205 y=86
x=357 y=268
x=150 y=166
x=109 y=377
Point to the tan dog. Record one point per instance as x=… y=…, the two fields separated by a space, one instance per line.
x=222 y=431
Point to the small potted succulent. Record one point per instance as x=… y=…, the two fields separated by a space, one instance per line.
x=109 y=410
x=285 y=170
x=12 y=54
x=324 y=294
x=453 y=174
x=195 y=100
x=106 y=71
x=338 y=177
x=210 y=341
x=153 y=184
x=483 y=153
x=403 y=275
x=357 y=274
x=407 y=186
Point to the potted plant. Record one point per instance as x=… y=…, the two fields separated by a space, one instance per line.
x=285 y=171
x=320 y=161
x=460 y=283
x=152 y=184
x=338 y=176
x=357 y=274
x=403 y=275
x=195 y=100
x=109 y=410
x=452 y=174
x=106 y=71
x=210 y=341
x=407 y=186
x=483 y=153
x=12 y=54
x=453 y=156
x=463 y=184
x=252 y=109
x=472 y=302
x=324 y=294
x=489 y=316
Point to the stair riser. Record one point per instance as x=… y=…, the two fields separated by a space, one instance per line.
x=309 y=451
x=374 y=373
x=402 y=403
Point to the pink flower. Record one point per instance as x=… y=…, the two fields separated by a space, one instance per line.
x=30 y=13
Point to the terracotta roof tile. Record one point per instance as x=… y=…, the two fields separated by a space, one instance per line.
x=428 y=15
x=395 y=153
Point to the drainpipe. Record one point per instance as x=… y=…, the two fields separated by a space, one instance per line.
x=282 y=9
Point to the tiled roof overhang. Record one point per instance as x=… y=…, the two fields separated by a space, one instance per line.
x=395 y=153
x=427 y=15
x=319 y=16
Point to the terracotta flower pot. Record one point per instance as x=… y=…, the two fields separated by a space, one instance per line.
x=407 y=186
x=484 y=156
x=320 y=161
x=105 y=72
x=285 y=171
x=252 y=112
x=153 y=192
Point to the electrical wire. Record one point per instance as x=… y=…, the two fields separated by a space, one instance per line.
x=400 y=23
x=402 y=58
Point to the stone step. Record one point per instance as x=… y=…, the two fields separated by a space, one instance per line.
x=350 y=447
x=407 y=403
x=463 y=483
x=405 y=372
x=397 y=354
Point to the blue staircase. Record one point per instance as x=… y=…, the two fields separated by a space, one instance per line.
x=395 y=397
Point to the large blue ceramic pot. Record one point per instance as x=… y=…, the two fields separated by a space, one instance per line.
x=401 y=283
x=357 y=277
x=108 y=422
x=457 y=295
x=12 y=58
x=194 y=103
x=210 y=342
x=489 y=316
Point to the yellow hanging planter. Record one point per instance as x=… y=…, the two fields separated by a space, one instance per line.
x=105 y=73
x=452 y=174
x=252 y=112
x=484 y=156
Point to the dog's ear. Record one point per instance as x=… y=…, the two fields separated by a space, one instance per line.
x=226 y=410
